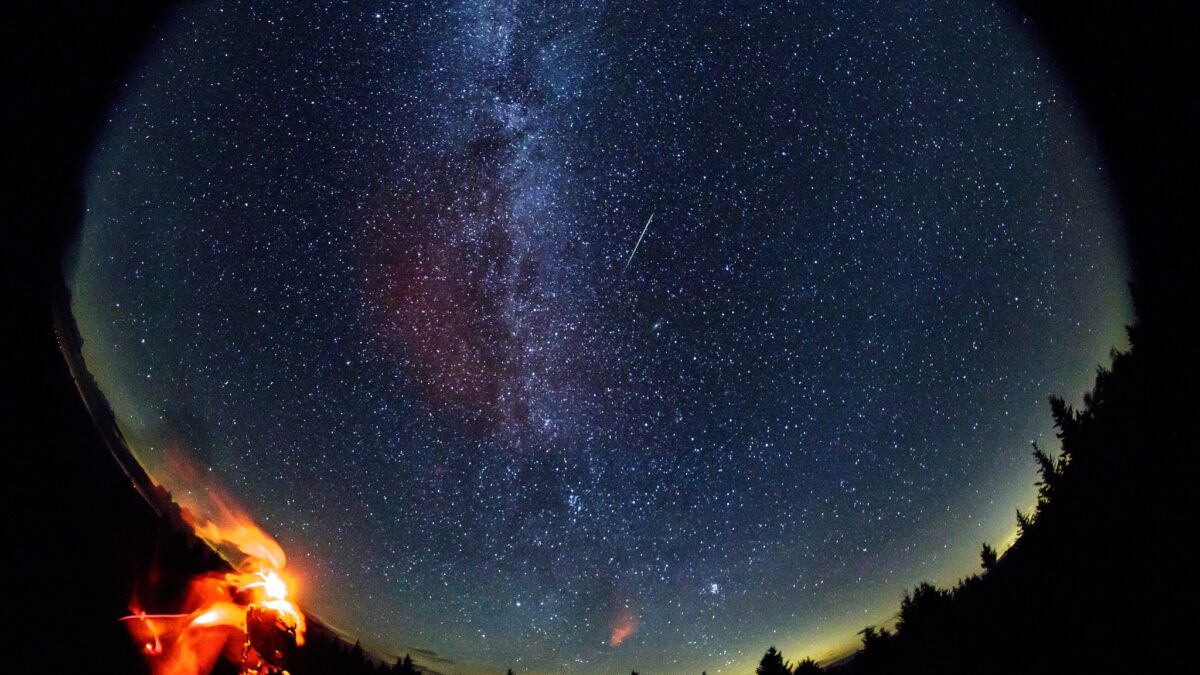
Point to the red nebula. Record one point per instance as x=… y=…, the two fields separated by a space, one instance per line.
x=625 y=626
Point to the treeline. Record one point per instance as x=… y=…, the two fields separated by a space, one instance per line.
x=324 y=652
x=1096 y=581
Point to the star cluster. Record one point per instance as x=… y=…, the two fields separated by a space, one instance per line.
x=372 y=265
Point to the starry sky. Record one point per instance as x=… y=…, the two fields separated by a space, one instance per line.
x=583 y=339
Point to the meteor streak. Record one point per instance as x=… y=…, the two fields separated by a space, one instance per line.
x=639 y=242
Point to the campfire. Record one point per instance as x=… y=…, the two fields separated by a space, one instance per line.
x=247 y=616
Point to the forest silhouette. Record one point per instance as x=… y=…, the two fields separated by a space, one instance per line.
x=1089 y=585
x=1082 y=589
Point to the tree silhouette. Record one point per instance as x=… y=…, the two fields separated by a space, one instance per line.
x=1117 y=478
x=1024 y=522
x=876 y=653
x=924 y=610
x=807 y=667
x=772 y=664
x=405 y=666
x=1051 y=471
x=987 y=557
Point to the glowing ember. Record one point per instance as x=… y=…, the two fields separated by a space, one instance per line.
x=245 y=616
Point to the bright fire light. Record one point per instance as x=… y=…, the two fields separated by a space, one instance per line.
x=246 y=616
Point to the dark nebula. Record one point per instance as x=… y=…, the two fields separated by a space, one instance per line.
x=369 y=264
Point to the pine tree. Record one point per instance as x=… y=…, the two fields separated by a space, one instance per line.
x=807 y=667
x=987 y=557
x=406 y=666
x=772 y=664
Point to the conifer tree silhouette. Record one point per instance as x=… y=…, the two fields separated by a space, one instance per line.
x=772 y=664
x=807 y=667
x=987 y=557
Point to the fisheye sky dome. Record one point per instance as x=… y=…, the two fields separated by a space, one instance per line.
x=588 y=339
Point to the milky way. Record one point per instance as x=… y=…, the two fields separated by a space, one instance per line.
x=371 y=266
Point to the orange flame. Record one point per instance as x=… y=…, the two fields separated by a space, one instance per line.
x=213 y=623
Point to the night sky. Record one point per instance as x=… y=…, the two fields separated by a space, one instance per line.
x=372 y=268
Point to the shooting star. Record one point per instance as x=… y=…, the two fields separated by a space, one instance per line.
x=639 y=242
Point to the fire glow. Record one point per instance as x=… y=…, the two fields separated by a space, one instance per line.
x=246 y=616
